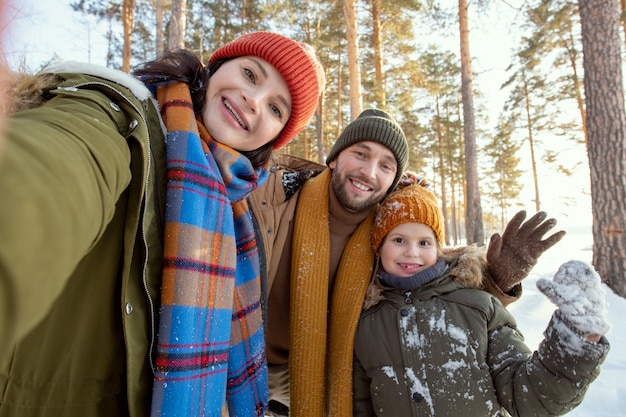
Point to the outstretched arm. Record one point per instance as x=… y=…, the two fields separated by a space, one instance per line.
x=511 y=257
x=554 y=379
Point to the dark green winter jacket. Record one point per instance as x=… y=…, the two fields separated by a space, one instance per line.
x=450 y=349
x=82 y=194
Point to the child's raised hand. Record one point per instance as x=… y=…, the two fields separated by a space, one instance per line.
x=577 y=291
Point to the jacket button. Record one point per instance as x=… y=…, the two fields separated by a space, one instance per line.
x=129 y=308
x=264 y=203
x=114 y=106
x=417 y=397
x=133 y=124
x=404 y=312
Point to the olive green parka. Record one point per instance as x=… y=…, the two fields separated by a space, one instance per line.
x=81 y=224
x=449 y=349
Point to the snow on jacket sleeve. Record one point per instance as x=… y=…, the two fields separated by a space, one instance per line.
x=552 y=380
x=63 y=168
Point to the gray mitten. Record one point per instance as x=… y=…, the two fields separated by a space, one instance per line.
x=577 y=291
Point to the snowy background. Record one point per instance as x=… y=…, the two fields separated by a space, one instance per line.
x=66 y=35
x=607 y=395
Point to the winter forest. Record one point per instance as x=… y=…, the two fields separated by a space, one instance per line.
x=562 y=112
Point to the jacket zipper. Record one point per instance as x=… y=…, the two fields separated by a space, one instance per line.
x=144 y=204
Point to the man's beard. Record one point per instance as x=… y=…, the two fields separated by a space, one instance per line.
x=338 y=182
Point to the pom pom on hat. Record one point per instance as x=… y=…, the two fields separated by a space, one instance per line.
x=375 y=125
x=414 y=203
x=296 y=62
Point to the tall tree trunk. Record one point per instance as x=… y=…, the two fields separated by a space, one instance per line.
x=349 y=11
x=606 y=121
x=580 y=100
x=378 y=55
x=158 y=7
x=473 y=209
x=177 y=25
x=319 y=132
x=127 y=21
x=623 y=15
x=442 y=171
x=531 y=141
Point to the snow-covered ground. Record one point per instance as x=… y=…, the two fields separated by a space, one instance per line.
x=607 y=395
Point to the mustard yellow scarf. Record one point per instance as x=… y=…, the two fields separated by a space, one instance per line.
x=318 y=380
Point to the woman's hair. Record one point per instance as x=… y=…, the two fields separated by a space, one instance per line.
x=183 y=65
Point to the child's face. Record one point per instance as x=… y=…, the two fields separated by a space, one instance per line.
x=408 y=248
x=247 y=103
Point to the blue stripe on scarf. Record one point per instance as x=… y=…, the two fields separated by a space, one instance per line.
x=216 y=287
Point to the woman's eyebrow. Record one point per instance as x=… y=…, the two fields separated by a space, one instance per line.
x=264 y=72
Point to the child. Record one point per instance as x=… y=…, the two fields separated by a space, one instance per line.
x=430 y=342
x=132 y=191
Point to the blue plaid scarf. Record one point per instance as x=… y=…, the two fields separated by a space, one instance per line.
x=211 y=348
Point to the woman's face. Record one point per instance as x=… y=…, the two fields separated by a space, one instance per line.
x=247 y=103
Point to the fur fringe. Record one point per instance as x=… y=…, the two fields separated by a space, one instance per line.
x=25 y=91
x=469 y=269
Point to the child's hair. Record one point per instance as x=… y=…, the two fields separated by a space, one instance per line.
x=413 y=203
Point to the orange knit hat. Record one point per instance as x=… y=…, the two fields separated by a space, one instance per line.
x=414 y=203
x=297 y=63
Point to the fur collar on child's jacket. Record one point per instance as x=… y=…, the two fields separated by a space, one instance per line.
x=468 y=269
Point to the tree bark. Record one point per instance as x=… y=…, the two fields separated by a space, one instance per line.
x=158 y=8
x=127 y=22
x=177 y=25
x=606 y=124
x=349 y=11
x=531 y=139
x=378 y=54
x=473 y=209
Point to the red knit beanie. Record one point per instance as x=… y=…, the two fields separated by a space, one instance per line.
x=297 y=63
x=411 y=204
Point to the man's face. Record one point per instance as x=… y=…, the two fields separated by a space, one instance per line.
x=362 y=175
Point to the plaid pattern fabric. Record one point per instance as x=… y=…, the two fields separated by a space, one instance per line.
x=211 y=349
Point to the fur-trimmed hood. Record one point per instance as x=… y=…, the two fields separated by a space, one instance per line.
x=25 y=89
x=468 y=264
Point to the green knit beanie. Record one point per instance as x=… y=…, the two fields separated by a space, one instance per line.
x=375 y=125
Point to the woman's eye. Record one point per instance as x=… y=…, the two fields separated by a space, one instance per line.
x=249 y=74
x=276 y=111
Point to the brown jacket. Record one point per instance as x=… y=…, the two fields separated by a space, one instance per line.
x=274 y=206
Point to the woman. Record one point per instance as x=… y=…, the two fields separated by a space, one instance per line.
x=121 y=190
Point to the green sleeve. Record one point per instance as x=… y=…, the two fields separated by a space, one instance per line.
x=550 y=381
x=63 y=167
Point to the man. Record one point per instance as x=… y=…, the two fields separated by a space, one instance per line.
x=314 y=225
